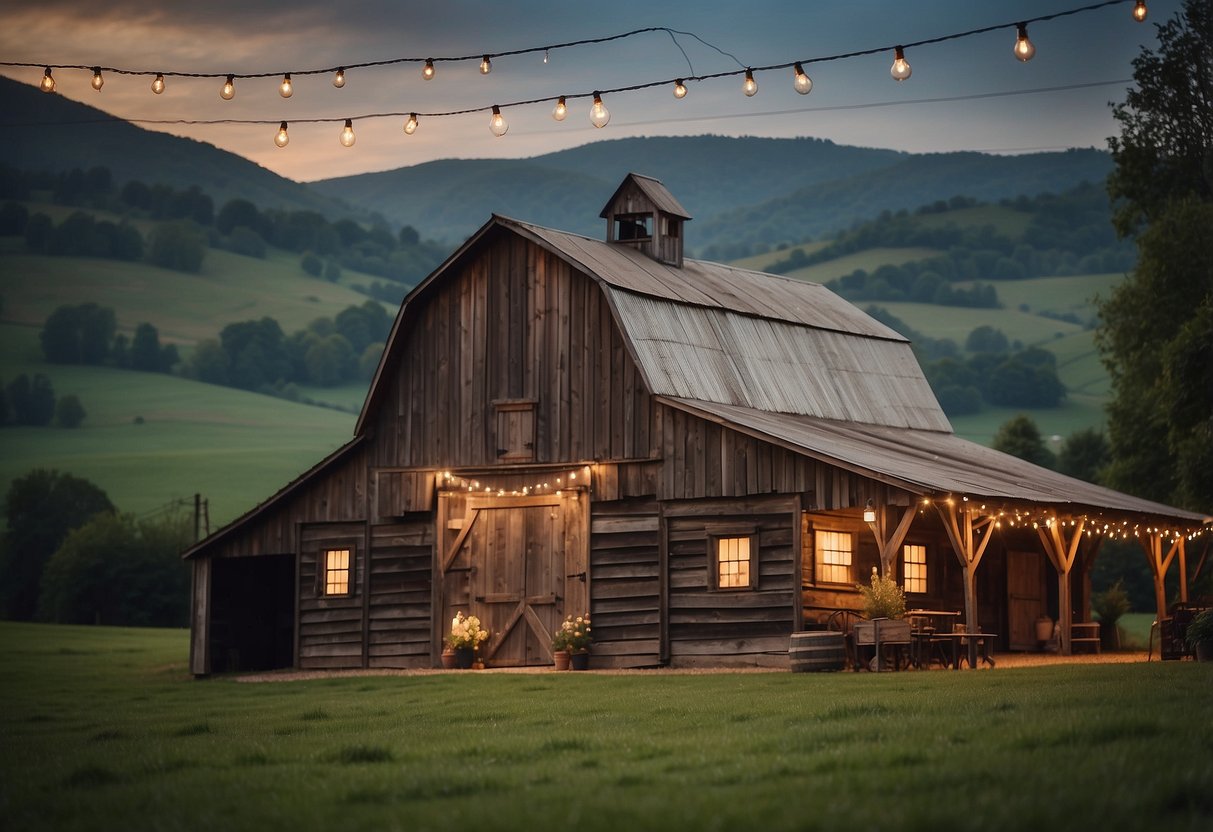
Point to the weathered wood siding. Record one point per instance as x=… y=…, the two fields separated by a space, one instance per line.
x=742 y=627
x=330 y=629
x=515 y=323
x=627 y=592
x=399 y=603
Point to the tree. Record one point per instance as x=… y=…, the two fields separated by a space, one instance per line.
x=32 y=402
x=116 y=570
x=238 y=213
x=1020 y=437
x=1154 y=336
x=176 y=245
x=41 y=507
x=69 y=413
x=145 y=352
x=987 y=339
x=330 y=361
x=78 y=334
x=1083 y=455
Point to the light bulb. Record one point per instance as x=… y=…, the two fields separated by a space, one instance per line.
x=1024 y=50
x=901 y=67
x=339 y=78
x=802 y=83
x=486 y=66
x=285 y=89
x=599 y=115
x=410 y=126
x=545 y=56
x=680 y=89
x=497 y=124
x=427 y=72
x=560 y=110
x=750 y=87
x=347 y=133
x=158 y=84
x=98 y=81
x=1139 y=11
x=48 y=81
x=281 y=138
x=229 y=88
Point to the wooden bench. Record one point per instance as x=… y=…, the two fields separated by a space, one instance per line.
x=1084 y=634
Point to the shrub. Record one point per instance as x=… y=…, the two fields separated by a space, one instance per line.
x=882 y=598
x=69 y=413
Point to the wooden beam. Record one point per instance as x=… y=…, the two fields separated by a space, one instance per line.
x=962 y=528
x=1159 y=564
x=890 y=545
x=1063 y=553
x=449 y=556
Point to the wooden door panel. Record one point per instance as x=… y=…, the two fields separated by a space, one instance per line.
x=1025 y=598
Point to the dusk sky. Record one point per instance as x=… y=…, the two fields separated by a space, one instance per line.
x=853 y=101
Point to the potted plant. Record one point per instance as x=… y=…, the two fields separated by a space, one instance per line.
x=466 y=636
x=1110 y=605
x=560 y=648
x=884 y=603
x=1200 y=636
x=575 y=636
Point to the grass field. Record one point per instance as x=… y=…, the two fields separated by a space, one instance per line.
x=1006 y=221
x=102 y=729
x=869 y=260
x=234 y=447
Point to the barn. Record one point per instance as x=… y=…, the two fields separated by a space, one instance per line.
x=707 y=459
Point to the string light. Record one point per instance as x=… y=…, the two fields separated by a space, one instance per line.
x=410 y=126
x=1140 y=11
x=347 y=137
x=901 y=67
x=228 y=92
x=680 y=89
x=564 y=482
x=158 y=83
x=48 y=81
x=98 y=82
x=545 y=56
x=599 y=115
x=486 y=66
x=1024 y=50
x=427 y=71
x=497 y=123
x=750 y=87
x=339 y=77
x=561 y=110
x=286 y=89
x=801 y=82
x=281 y=138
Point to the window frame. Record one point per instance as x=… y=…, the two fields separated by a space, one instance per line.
x=643 y=218
x=715 y=536
x=323 y=569
x=925 y=577
x=818 y=563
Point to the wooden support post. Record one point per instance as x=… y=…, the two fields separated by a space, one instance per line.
x=963 y=531
x=1062 y=553
x=1183 y=571
x=888 y=544
x=1159 y=564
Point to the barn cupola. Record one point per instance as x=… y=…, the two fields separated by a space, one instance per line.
x=644 y=215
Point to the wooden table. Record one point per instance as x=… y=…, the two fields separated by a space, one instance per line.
x=952 y=642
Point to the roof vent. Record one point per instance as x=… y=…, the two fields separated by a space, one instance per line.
x=644 y=215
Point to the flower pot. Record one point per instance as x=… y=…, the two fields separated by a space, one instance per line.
x=464 y=657
x=580 y=661
x=561 y=658
x=448 y=659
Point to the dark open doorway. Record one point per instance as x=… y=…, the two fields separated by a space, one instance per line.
x=253 y=613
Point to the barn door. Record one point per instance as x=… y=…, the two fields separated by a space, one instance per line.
x=519 y=564
x=1025 y=598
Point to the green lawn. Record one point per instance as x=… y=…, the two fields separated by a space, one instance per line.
x=957 y=322
x=103 y=729
x=1006 y=221
x=1072 y=293
x=760 y=262
x=869 y=260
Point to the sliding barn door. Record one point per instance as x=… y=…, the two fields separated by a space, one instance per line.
x=517 y=563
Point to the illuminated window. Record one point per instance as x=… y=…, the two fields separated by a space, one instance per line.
x=735 y=568
x=914 y=559
x=336 y=571
x=833 y=557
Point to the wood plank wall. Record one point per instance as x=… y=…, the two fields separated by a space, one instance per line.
x=399 y=606
x=742 y=627
x=330 y=629
x=517 y=323
x=626 y=602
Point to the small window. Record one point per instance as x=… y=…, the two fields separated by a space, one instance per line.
x=336 y=571
x=735 y=568
x=634 y=227
x=914 y=559
x=833 y=557
x=515 y=430
x=671 y=227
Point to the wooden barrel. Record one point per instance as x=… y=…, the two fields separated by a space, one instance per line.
x=817 y=650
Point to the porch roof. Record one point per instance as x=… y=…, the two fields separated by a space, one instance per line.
x=931 y=463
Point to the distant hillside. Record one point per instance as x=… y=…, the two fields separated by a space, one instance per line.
x=745 y=194
x=53 y=133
